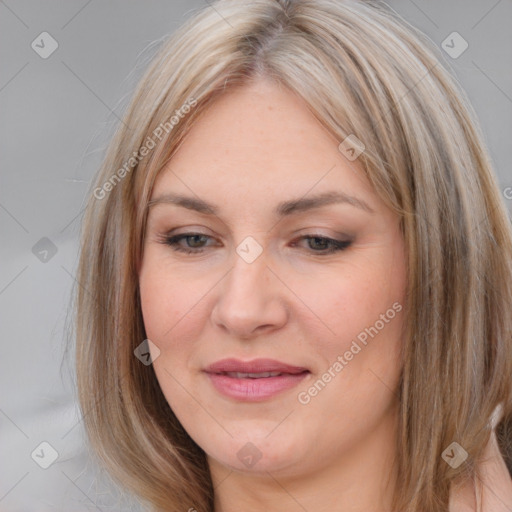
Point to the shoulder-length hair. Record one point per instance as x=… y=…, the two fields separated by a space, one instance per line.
x=362 y=71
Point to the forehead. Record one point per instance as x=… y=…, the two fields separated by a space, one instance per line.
x=260 y=141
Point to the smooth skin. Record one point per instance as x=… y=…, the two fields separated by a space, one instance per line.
x=258 y=146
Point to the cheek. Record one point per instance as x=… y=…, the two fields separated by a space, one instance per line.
x=167 y=304
x=156 y=298
x=171 y=311
x=353 y=299
x=363 y=309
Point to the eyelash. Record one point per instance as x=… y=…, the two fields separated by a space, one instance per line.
x=336 y=245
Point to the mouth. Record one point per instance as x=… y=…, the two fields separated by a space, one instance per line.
x=261 y=375
x=256 y=380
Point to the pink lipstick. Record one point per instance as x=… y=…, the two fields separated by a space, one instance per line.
x=255 y=380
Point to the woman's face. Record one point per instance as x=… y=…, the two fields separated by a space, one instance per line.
x=279 y=349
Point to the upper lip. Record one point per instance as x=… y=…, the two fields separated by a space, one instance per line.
x=253 y=366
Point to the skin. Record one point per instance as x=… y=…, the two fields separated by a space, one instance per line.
x=494 y=483
x=255 y=147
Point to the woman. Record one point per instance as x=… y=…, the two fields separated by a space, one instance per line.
x=296 y=274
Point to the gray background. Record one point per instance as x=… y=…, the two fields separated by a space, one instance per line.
x=56 y=117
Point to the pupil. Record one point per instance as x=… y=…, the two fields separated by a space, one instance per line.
x=195 y=238
x=322 y=243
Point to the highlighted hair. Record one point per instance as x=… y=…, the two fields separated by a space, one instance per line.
x=361 y=70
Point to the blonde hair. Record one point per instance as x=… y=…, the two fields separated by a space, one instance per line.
x=362 y=71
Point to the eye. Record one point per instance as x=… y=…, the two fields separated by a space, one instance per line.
x=195 y=243
x=325 y=245
x=196 y=240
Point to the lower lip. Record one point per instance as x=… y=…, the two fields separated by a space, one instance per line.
x=254 y=390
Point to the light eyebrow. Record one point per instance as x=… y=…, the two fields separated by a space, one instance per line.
x=191 y=203
x=282 y=210
x=327 y=198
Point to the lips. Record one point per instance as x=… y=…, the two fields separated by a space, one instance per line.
x=255 y=380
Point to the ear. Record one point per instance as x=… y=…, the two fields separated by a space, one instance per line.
x=496 y=416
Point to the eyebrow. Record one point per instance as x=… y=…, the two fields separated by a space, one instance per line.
x=283 y=209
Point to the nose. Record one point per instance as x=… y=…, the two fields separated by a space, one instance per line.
x=251 y=300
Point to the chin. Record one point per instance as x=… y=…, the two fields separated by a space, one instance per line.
x=258 y=452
